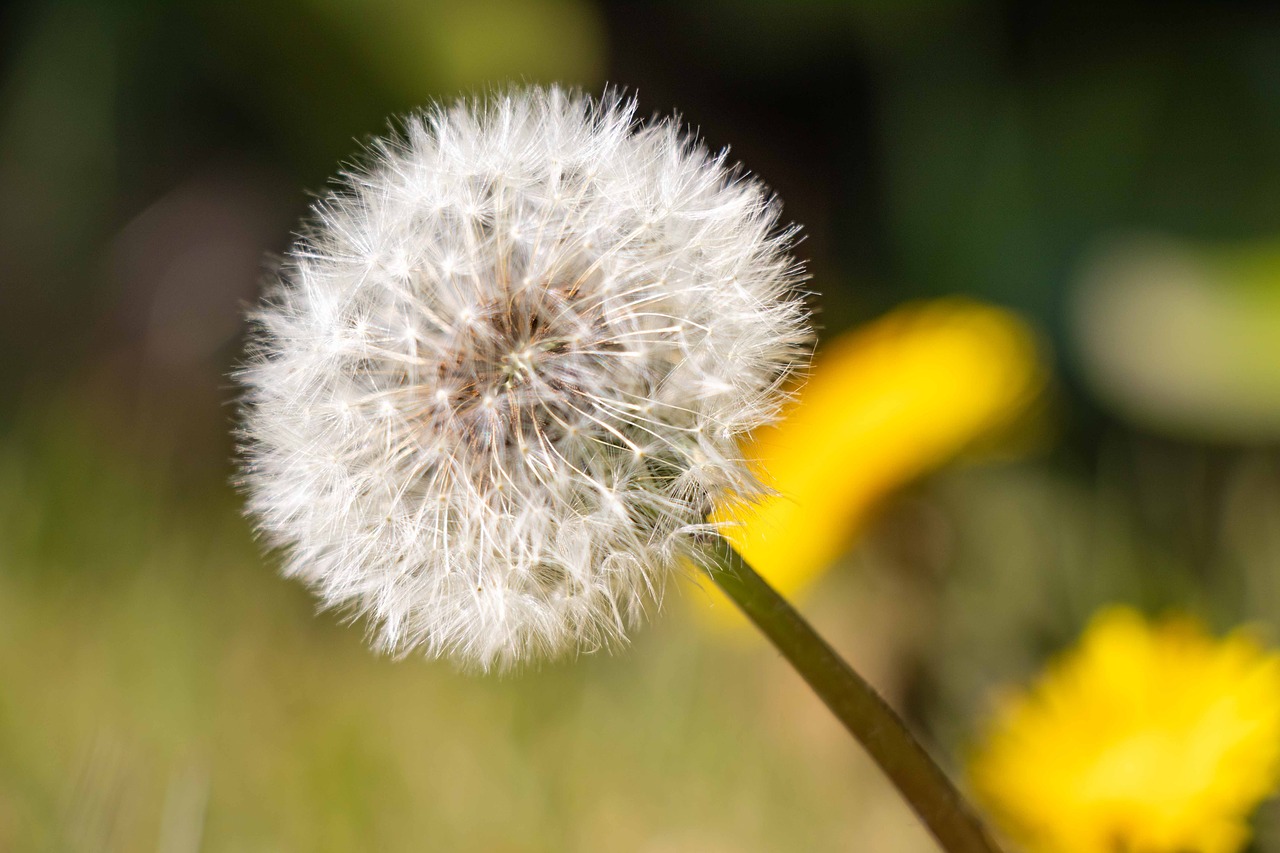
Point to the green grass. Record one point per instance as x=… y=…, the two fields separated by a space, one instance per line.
x=162 y=689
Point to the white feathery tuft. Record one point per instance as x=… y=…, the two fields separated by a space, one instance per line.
x=500 y=378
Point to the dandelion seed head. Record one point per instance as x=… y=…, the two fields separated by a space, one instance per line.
x=501 y=377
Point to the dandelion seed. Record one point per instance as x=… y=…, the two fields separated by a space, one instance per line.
x=502 y=375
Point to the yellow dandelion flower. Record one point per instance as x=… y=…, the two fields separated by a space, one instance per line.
x=1147 y=738
x=883 y=405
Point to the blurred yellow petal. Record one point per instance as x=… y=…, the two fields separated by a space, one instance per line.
x=1151 y=737
x=883 y=405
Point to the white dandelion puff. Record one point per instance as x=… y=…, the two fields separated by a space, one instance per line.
x=500 y=378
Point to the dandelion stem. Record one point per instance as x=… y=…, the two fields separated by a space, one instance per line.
x=857 y=705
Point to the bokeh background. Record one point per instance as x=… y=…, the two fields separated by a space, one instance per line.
x=1113 y=180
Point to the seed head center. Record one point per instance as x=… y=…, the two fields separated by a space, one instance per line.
x=518 y=365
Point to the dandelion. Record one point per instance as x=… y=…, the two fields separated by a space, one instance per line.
x=500 y=381
x=1148 y=737
x=502 y=374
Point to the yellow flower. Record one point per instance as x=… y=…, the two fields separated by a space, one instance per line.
x=1146 y=739
x=883 y=405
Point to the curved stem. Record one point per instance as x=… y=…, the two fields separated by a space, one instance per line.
x=857 y=705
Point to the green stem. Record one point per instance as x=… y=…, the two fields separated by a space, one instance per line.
x=857 y=705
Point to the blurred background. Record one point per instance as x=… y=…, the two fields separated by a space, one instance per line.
x=1110 y=183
